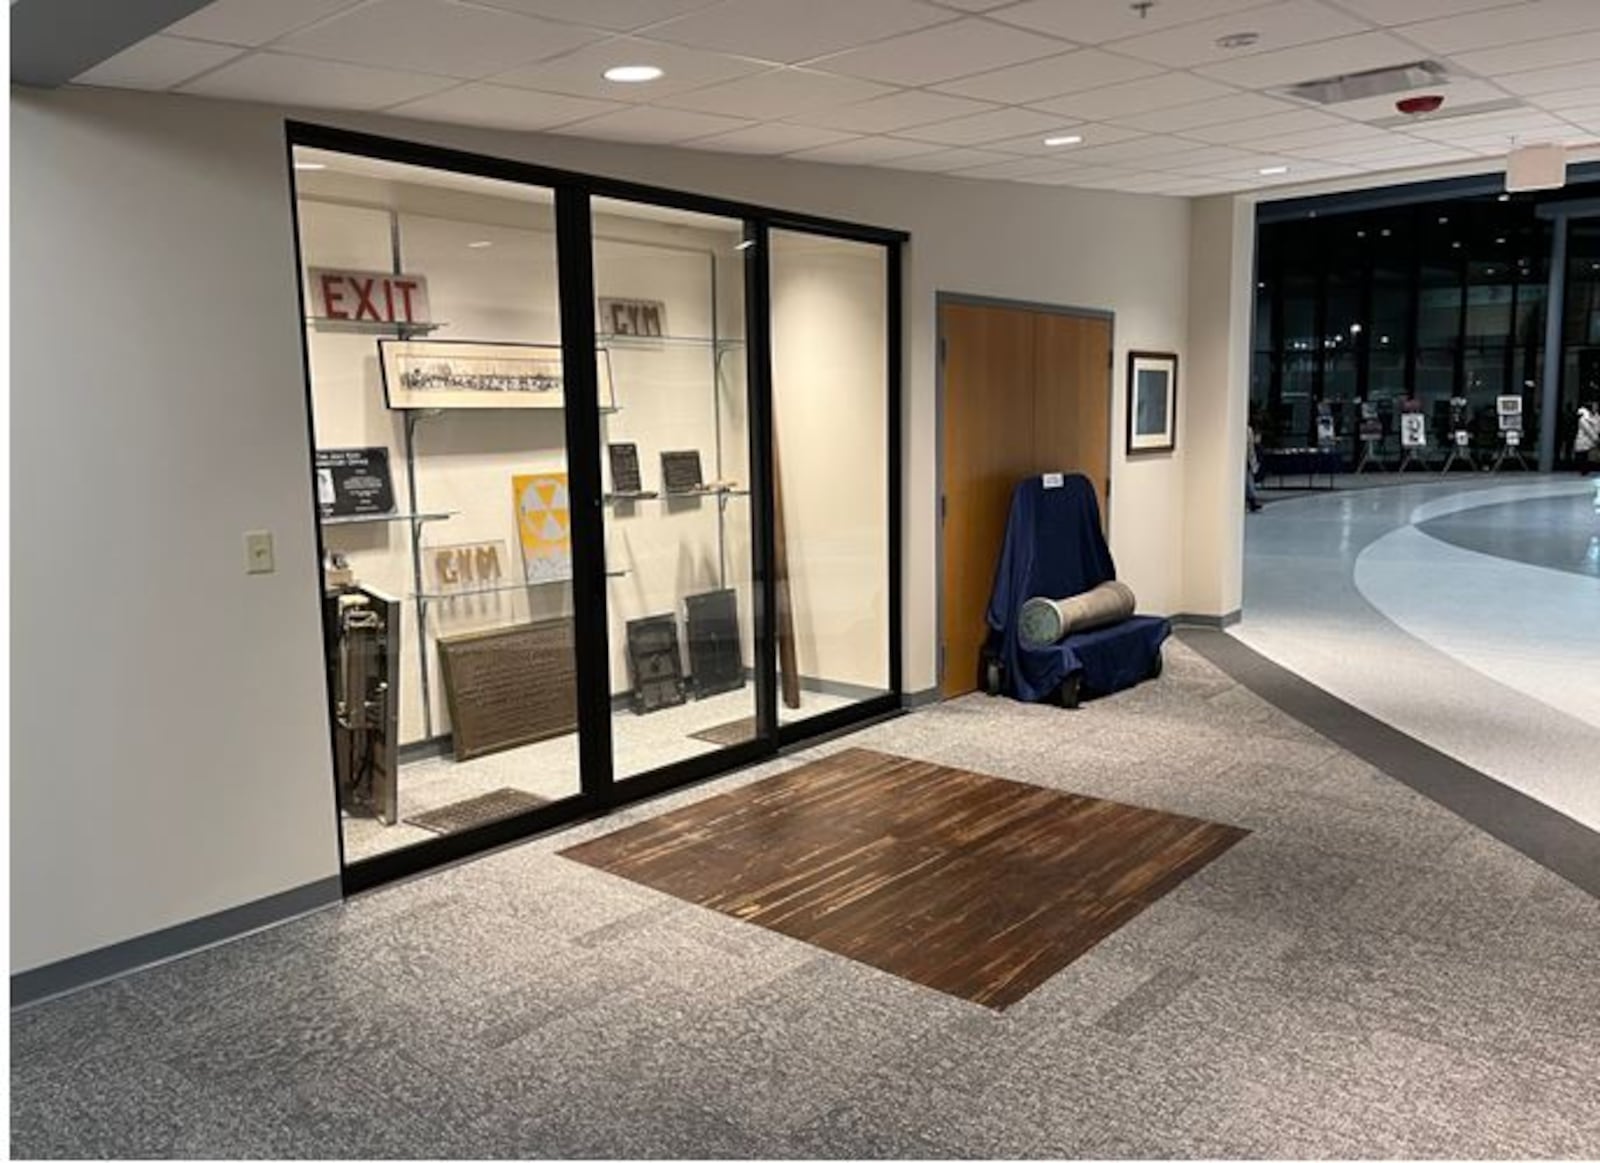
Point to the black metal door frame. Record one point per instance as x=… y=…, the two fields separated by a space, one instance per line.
x=599 y=790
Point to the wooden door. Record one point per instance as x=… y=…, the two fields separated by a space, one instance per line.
x=1025 y=392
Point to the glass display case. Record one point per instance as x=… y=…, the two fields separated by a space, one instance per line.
x=553 y=581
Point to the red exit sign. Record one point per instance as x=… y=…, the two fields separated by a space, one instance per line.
x=368 y=296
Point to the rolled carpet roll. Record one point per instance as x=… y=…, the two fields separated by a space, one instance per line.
x=1045 y=621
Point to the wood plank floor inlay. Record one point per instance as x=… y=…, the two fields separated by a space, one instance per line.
x=977 y=886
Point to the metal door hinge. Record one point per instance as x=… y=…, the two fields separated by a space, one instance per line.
x=944 y=507
x=941 y=661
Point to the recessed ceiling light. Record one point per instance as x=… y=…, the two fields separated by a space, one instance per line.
x=1385 y=232
x=746 y=244
x=1444 y=220
x=1065 y=139
x=309 y=166
x=1272 y=171
x=479 y=244
x=1455 y=246
x=1238 y=40
x=632 y=74
x=1500 y=241
x=1361 y=234
x=1503 y=198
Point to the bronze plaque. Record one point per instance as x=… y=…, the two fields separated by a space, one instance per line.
x=509 y=686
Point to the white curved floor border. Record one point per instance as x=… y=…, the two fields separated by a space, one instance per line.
x=1494 y=662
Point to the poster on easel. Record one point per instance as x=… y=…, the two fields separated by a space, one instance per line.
x=1508 y=413
x=1413 y=430
x=544 y=526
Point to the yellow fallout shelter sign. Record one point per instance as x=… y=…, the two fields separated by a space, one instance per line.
x=544 y=525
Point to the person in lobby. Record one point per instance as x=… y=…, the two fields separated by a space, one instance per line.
x=1252 y=467
x=1586 y=444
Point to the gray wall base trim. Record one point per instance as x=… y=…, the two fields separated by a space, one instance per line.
x=1207 y=621
x=1539 y=832
x=73 y=973
x=917 y=699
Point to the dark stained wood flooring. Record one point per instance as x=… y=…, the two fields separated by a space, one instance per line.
x=977 y=886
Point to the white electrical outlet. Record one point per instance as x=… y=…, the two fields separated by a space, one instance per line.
x=258 y=552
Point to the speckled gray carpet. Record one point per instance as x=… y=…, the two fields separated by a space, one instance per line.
x=1364 y=975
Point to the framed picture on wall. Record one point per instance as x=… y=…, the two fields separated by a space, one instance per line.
x=453 y=373
x=1152 y=401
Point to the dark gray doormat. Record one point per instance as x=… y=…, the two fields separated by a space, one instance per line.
x=479 y=810
x=728 y=734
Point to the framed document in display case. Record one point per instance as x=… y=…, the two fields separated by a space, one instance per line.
x=353 y=482
x=509 y=686
x=453 y=373
x=680 y=473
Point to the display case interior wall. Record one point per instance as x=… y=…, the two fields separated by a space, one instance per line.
x=830 y=427
x=490 y=266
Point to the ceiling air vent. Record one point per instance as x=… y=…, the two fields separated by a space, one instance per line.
x=1372 y=83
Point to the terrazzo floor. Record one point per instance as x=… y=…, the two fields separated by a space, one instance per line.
x=1365 y=975
x=1464 y=612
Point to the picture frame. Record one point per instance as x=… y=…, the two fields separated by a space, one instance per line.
x=1152 y=402
x=459 y=373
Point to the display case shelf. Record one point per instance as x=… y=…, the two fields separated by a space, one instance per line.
x=369 y=327
x=489 y=591
x=383 y=518
x=652 y=342
x=630 y=498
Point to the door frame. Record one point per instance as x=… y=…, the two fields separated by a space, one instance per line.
x=942 y=299
x=600 y=792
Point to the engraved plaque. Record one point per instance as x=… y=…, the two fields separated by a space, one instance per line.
x=509 y=686
x=625 y=476
x=654 y=663
x=680 y=472
x=714 y=657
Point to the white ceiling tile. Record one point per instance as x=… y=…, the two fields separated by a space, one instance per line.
x=616 y=15
x=778 y=93
x=1279 y=26
x=1220 y=110
x=772 y=138
x=894 y=112
x=283 y=79
x=1017 y=167
x=1507 y=24
x=999 y=125
x=973 y=5
x=1539 y=81
x=1572 y=49
x=1349 y=54
x=1486 y=125
x=1144 y=153
x=864 y=151
x=788 y=32
x=581 y=73
x=937 y=54
x=1393 y=12
x=432 y=36
x=250 y=22
x=1213 y=159
x=157 y=62
x=944 y=160
x=1566 y=99
x=1134 y=97
x=1294 y=122
x=1348 y=133
x=1097 y=21
x=503 y=108
x=1051 y=77
x=1093 y=134
x=654 y=124
x=1082 y=176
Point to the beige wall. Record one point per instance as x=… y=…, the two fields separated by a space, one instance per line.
x=170 y=757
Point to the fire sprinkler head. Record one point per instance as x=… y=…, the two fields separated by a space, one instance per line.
x=1416 y=106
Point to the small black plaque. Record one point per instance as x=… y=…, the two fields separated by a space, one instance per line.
x=654 y=664
x=680 y=472
x=625 y=476
x=509 y=686
x=354 y=482
x=714 y=657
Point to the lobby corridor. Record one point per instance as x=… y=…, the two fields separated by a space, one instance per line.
x=1463 y=612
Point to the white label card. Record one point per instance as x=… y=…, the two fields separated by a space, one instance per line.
x=1054 y=480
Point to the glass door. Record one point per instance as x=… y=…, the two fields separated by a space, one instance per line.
x=433 y=339
x=676 y=463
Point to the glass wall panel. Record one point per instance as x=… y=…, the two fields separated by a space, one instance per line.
x=433 y=335
x=830 y=400
x=1580 y=354
x=669 y=287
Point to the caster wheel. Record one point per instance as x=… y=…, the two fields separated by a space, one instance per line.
x=1069 y=692
x=991 y=678
x=1156 y=666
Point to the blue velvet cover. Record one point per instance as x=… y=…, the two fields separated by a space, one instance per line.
x=1054 y=549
